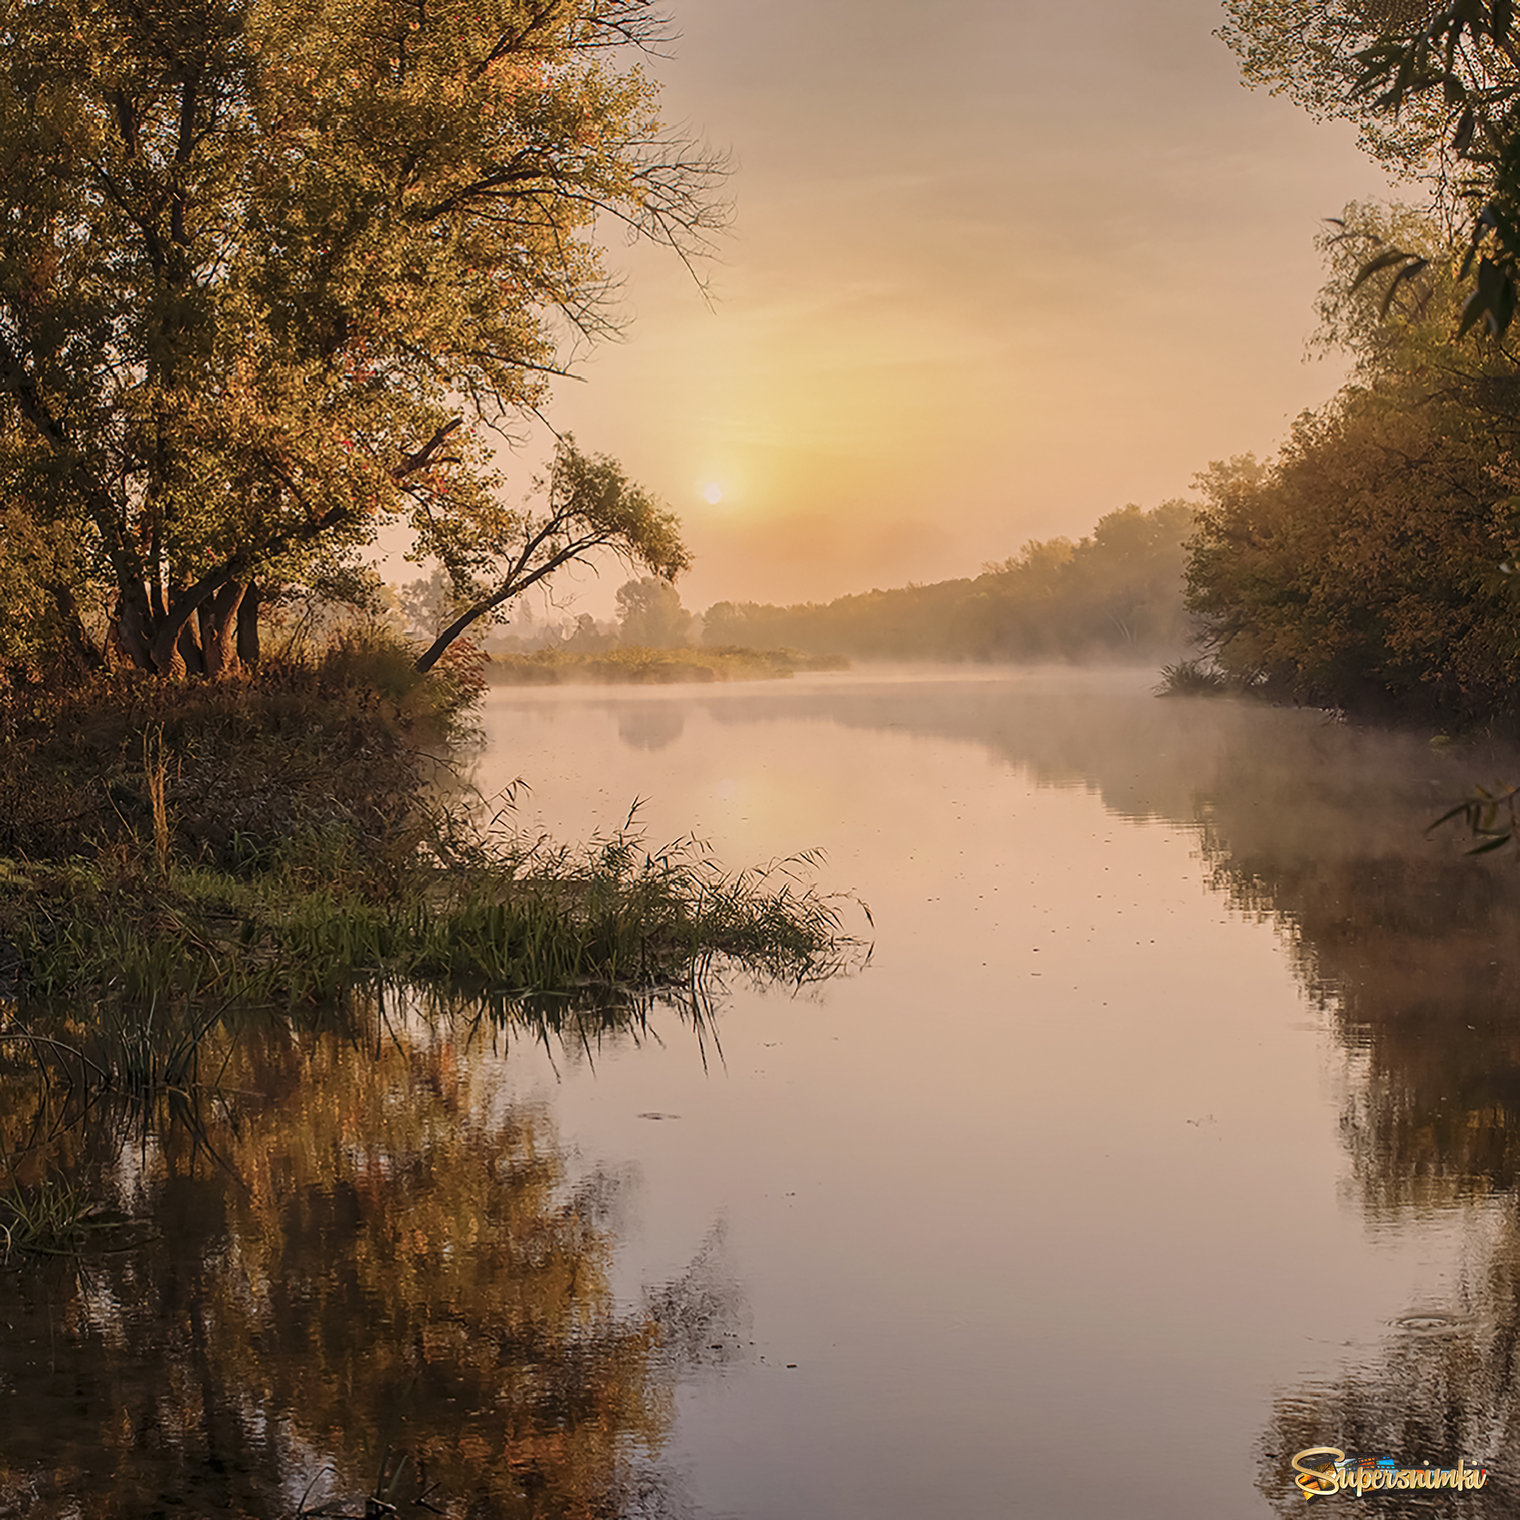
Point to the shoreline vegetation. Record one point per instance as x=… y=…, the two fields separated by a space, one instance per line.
x=639 y=666
x=170 y=852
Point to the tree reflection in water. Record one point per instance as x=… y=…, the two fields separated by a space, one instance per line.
x=1412 y=950
x=372 y=1276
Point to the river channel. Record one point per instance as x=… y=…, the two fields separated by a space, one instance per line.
x=1170 y=1127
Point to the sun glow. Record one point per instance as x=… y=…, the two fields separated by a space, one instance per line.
x=712 y=492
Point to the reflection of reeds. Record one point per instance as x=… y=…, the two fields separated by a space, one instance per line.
x=139 y=1050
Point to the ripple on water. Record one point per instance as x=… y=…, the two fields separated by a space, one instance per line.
x=1432 y=1322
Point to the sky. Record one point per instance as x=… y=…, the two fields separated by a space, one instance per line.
x=993 y=269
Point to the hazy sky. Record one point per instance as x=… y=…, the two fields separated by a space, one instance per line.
x=995 y=268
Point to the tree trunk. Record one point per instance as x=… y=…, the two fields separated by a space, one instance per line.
x=81 y=645
x=176 y=647
x=187 y=657
x=218 y=616
x=248 y=626
x=131 y=635
x=429 y=657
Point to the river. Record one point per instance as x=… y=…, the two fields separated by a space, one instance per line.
x=1168 y=1129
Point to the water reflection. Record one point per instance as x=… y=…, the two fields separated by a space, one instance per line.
x=1412 y=950
x=1409 y=948
x=1410 y=945
x=370 y=1276
x=369 y=1250
x=652 y=726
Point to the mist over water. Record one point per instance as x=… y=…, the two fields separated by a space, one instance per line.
x=1168 y=1131
x=1182 y=1076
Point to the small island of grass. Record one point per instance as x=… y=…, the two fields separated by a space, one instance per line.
x=171 y=850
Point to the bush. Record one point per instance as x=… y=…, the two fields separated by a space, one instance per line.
x=1193 y=678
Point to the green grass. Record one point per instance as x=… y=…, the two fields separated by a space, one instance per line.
x=58 y=1217
x=166 y=849
x=510 y=917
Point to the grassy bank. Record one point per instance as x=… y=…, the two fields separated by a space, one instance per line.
x=635 y=666
x=188 y=847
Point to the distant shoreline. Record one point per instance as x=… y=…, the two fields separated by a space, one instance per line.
x=653 y=667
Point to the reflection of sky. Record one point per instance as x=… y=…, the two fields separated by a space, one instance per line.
x=996 y=267
x=1061 y=1171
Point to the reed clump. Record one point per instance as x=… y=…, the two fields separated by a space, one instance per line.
x=166 y=849
x=1196 y=678
x=517 y=917
x=54 y=1217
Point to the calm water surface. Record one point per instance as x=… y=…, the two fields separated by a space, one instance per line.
x=1170 y=1129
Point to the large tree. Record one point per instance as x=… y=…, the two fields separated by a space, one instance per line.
x=274 y=271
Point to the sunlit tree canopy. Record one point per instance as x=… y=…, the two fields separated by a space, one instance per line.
x=272 y=272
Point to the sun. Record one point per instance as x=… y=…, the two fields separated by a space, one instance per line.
x=712 y=492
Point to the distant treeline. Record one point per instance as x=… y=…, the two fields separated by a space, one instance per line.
x=1115 y=595
x=631 y=665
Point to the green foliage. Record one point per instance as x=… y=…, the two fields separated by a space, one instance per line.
x=1312 y=51
x=1364 y=570
x=42 y=584
x=1115 y=594
x=273 y=271
x=589 y=504
x=1434 y=90
x=1369 y=567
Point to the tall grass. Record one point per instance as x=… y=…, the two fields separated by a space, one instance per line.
x=164 y=848
x=50 y=1217
x=1194 y=678
x=510 y=917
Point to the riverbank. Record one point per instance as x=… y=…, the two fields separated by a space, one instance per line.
x=277 y=840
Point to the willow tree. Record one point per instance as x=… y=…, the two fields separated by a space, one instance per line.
x=272 y=272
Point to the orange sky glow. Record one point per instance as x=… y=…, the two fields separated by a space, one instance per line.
x=994 y=269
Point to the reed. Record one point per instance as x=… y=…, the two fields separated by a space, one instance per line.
x=520 y=917
x=49 y=1218
x=165 y=850
x=156 y=781
x=1194 y=678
